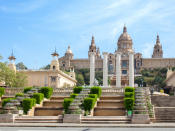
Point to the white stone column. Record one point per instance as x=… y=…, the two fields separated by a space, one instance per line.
x=92 y=68
x=118 y=69
x=131 y=69
x=105 y=69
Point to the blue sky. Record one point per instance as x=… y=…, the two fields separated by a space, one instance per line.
x=32 y=28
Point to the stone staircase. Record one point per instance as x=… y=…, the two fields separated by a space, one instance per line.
x=39 y=119
x=105 y=120
x=164 y=109
x=53 y=107
x=110 y=106
x=75 y=105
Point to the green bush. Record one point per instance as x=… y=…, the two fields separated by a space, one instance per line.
x=73 y=95
x=89 y=103
x=77 y=90
x=96 y=90
x=26 y=89
x=129 y=103
x=129 y=89
x=47 y=91
x=27 y=104
x=39 y=97
x=66 y=104
x=5 y=101
x=34 y=101
x=93 y=96
x=129 y=94
x=2 y=91
x=19 y=94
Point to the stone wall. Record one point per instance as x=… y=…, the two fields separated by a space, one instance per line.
x=163 y=101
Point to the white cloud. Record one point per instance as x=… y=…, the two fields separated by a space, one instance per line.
x=147 y=50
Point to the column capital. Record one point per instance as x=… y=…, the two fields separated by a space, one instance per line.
x=105 y=53
x=131 y=53
x=118 y=53
x=92 y=53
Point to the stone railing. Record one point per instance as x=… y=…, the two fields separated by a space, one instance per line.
x=11 y=91
x=112 y=91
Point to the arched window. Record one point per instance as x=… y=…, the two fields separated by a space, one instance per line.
x=53 y=67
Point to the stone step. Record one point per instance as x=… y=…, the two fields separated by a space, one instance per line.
x=58 y=97
x=111 y=97
x=105 y=122
x=48 y=111
x=53 y=103
x=109 y=111
x=36 y=119
x=110 y=103
x=95 y=118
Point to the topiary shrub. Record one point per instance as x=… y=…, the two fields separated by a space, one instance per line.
x=129 y=103
x=96 y=90
x=77 y=90
x=129 y=89
x=2 y=91
x=129 y=94
x=66 y=104
x=73 y=95
x=19 y=94
x=5 y=101
x=47 y=91
x=93 y=96
x=27 y=104
x=26 y=89
x=39 y=97
x=88 y=104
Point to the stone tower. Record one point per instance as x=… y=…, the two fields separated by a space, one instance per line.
x=68 y=57
x=158 y=52
x=55 y=63
x=98 y=55
x=92 y=47
x=12 y=65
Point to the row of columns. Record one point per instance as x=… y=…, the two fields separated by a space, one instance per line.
x=118 y=69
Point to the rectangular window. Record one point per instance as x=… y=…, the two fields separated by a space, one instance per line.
x=53 y=78
x=124 y=63
x=124 y=72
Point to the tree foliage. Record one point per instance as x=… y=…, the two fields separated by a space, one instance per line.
x=21 y=66
x=11 y=78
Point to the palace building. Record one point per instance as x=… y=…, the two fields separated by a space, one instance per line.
x=53 y=77
x=124 y=46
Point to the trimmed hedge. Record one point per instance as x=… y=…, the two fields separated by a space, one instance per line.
x=66 y=104
x=89 y=103
x=26 y=89
x=96 y=90
x=5 y=101
x=129 y=94
x=19 y=94
x=129 y=103
x=27 y=104
x=93 y=96
x=47 y=91
x=77 y=90
x=73 y=95
x=2 y=91
x=129 y=89
x=39 y=97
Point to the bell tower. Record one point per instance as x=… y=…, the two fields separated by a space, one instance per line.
x=92 y=47
x=12 y=65
x=55 y=63
x=158 y=52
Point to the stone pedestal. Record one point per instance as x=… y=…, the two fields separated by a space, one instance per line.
x=105 y=69
x=92 y=68
x=7 y=118
x=140 y=119
x=118 y=69
x=131 y=69
x=72 y=118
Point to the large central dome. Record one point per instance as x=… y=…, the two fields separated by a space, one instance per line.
x=124 y=41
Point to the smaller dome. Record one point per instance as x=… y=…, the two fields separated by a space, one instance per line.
x=69 y=50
